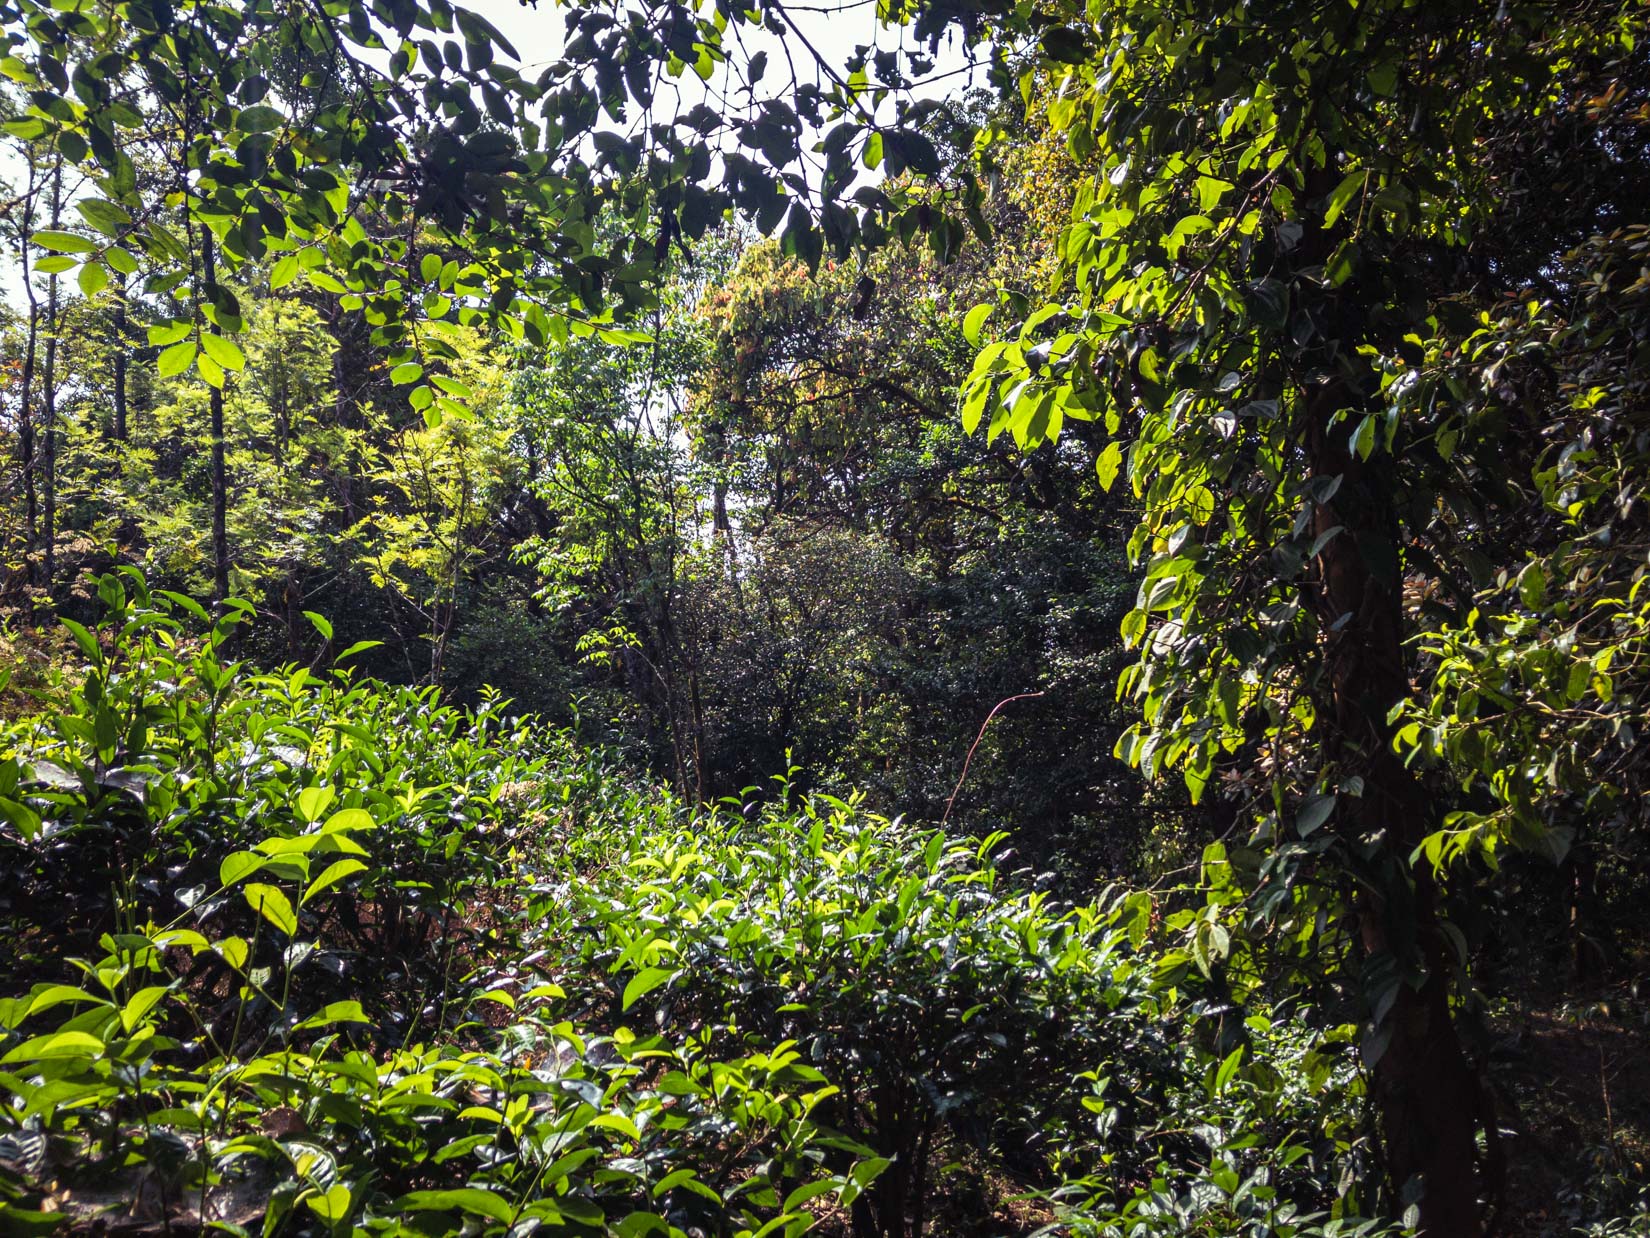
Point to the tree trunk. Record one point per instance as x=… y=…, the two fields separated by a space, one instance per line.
x=25 y=413
x=220 y=487
x=48 y=401
x=118 y=430
x=1426 y=1093
x=1586 y=926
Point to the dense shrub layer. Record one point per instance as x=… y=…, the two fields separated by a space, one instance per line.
x=300 y=954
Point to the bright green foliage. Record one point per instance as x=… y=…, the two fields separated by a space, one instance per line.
x=953 y=1010
x=1537 y=693
x=1351 y=293
x=281 y=445
x=371 y=964
x=311 y=137
x=894 y=963
x=272 y=843
x=868 y=552
x=436 y=491
x=1283 y=293
x=1203 y=271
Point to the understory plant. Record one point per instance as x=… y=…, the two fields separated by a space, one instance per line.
x=256 y=915
x=297 y=952
x=1076 y=1048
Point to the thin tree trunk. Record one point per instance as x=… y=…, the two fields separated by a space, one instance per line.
x=25 y=415
x=48 y=400
x=1580 y=873
x=121 y=345
x=220 y=487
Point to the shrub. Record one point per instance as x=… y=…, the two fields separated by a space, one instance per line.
x=260 y=915
x=321 y=955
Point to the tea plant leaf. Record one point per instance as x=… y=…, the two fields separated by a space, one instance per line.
x=466 y=1199
x=139 y=1005
x=349 y=819
x=273 y=904
x=313 y=801
x=643 y=983
x=56 y=994
x=56 y=1045
x=336 y=1012
x=239 y=865
x=331 y=876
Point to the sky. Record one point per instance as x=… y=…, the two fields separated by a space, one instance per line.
x=834 y=27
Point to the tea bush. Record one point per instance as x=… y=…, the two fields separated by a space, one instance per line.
x=300 y=953
x=256 y=910
x=956 y=1009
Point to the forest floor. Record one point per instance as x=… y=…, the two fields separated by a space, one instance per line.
x=1572 y=1082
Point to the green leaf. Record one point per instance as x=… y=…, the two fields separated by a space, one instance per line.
x=64 y=242
x=643 y=983
x=349 y=819
x=1313 y=813
x=462 y=1199
x=283 y=272
x=1339 y=267
x=187 y=603
x=1342 y=195
x=237 y=866
x=210 y=370
x=224 y=351
x=979 y=395
x=140 y=1004
x=232 y=950
x=273 y=904
x=336 y=1012
x=406 y=372
x=26 y=1222
x=1109 y=464
x=313 y=801
x=974 y=320
x=176 y=359
x=55 y=1045
x=87 y=642
x=333 y=874
x=866 y=1171
x=333 y=1206
x=1532 y=586
x=453 y=387
x=803 y=1194
x=320 y=623
x=259 y=119
x=93 y=279
x=55 y=994
x=1363 y=438
x=170 y=333
x=106 y=217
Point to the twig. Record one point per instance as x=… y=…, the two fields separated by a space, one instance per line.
x=1024 y=696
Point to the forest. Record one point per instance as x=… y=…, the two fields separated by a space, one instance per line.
x=872 y=618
